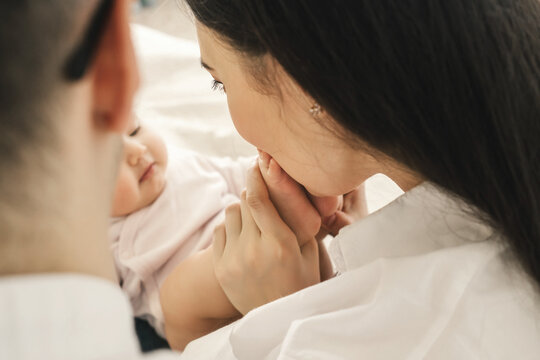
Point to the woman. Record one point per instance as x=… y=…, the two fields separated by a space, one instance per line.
x=443 y=97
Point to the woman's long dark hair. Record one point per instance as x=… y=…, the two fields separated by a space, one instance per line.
x=451 y=89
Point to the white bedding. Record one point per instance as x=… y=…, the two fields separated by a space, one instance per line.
x=176 y=98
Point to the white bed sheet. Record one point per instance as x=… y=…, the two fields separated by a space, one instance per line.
x=176 y=99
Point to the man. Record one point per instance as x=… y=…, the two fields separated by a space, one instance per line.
x=67 y=79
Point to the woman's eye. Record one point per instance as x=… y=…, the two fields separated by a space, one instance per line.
x=218 y=86
x=134 y=132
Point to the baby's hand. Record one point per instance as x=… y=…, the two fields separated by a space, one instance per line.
x=296 y=209
x=339 y=211
x=290 y=200
x=307 y=214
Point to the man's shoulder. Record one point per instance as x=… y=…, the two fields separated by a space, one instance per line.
x=65 y=316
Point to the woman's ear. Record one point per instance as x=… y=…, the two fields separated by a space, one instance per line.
x=114 y=74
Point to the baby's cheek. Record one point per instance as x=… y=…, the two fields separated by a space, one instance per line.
x=126 y=195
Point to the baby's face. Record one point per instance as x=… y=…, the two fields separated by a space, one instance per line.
x=141 y=177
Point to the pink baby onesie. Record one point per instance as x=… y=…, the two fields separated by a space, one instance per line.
x=149 y=243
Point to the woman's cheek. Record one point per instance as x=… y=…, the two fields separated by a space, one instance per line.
x=247 y=118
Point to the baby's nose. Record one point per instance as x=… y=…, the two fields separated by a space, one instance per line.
x=134 y=150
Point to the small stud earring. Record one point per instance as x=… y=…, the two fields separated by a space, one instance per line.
x=315 y=110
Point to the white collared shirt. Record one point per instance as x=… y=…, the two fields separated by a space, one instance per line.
x=419 y=279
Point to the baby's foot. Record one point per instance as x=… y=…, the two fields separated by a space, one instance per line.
x=290 y=200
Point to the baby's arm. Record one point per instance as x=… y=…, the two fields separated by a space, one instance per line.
x=193 y=302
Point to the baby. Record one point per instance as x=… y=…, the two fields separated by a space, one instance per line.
x=163 y=217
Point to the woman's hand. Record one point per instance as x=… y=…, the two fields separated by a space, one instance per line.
x=257 y=257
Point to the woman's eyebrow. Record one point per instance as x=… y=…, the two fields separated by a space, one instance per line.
x=205 y=65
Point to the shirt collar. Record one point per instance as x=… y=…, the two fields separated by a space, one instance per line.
x=422 y=220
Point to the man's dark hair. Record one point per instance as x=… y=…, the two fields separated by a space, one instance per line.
x=451 y=89
x=36 y=38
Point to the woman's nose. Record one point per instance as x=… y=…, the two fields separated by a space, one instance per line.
x=134 y=151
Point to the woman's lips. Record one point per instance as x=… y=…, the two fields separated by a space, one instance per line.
x=148 y=172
